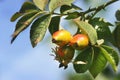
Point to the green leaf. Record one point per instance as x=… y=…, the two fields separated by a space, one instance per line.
x=39 y=28
x=109 y=58
x=27 y=6
x=57 y=3
x=41 y=4
x=83 y=76
x=116 y=35
x=54 y=24
x=72 y=15
x=15 y=16
x=84 y=56
x=99 y=62
x=87 y=29
x=102 y=28
x=65 y=8
x=117 y=14
x=68 y=9
x=112 y=52
x=24 y=22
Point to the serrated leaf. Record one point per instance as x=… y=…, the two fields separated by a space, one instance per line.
x=102 y=28
x=84 y=56
x=116 y=35
x=109 y=58
x=57 y=3
x=87 y=29
x=27 y=6
x=54 y=24
x=112 y=52
x=39 y=28
x=24 y=22
x=117 y=14
x=41 y=4
x=72 y=15
x=99 y=62
x=15 y=16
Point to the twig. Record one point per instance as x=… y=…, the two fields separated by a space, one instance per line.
x=97 y=9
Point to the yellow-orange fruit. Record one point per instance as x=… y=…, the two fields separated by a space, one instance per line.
x=61 y=37
x=79 y=41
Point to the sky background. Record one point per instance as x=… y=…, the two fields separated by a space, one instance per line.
x=20 y=61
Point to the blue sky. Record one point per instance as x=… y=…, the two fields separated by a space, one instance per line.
x=20 y=61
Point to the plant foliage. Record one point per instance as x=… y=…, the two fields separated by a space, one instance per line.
x=41 y=15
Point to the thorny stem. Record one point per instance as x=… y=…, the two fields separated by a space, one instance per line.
x=97 y=9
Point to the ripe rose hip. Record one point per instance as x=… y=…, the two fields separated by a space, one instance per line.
x=61 y=37
x=79 y=41
x=64 y=55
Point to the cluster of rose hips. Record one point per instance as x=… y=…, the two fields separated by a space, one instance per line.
x=67 y=44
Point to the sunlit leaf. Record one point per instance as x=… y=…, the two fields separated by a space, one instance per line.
x=87 y=29
x=41 y=4
x=39 y=28
x=102 y=28
x=112 y=52
x=15 y=16
x=26 y=7
x=54 y=24
x=24 y=22
x=84 y=56
x=99 y=62
x=109 y=58
x=57 y=3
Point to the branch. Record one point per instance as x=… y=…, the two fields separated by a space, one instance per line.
x=97 y=9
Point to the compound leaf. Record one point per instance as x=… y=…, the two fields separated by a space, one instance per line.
x=24 y=22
